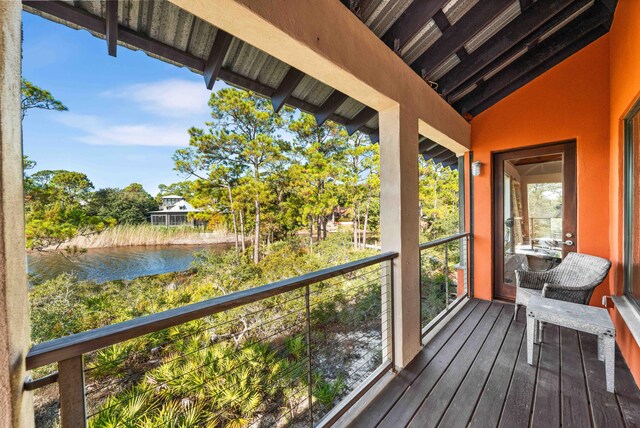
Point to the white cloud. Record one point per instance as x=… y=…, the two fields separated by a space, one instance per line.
x=97 y=131
x=171 y=98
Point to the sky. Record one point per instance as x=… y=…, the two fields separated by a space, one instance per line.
x=127 y=115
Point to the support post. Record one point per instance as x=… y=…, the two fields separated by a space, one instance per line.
x=16 y=407
x=400 y=224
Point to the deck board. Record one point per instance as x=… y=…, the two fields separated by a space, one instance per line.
x=475 y=373
x=477 y=350
x=604 y=406
x=495 y=390
x=469 y=391
x=546 y=405
x=375 y=411
x=574 y=400
x=408 y=404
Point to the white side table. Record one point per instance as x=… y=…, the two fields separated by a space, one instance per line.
x=588 y=319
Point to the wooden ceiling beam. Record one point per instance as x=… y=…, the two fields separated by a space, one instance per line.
x=216 y=56
x=360 y=119
x=565 y=42
x=452 y=164
x=286 y=88
x=425 y=144
x=445 y=157
x=458 y=34
x=329 y=106
x=111 y=24
x=411 y=21
x=513 y=38
x=441 y=21
x=436 y=151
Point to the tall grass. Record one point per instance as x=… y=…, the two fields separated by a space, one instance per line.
x=146 y=234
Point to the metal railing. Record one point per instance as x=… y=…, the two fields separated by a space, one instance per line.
x=444 y=277
x=290 y=352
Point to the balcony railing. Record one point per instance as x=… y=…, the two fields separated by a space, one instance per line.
x=444 y=277
x=297 y=351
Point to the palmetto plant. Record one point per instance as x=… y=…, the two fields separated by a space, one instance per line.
x=217 y=386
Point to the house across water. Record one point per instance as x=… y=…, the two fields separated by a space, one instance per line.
x=174 y=211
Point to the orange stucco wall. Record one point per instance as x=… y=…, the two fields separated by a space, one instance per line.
x=570 y=101
x=585 y=97
x=624 y=41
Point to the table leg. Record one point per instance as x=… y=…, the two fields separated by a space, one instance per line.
x=540 y=336
x=609 y=361
x=531 y=331
x=601 y=348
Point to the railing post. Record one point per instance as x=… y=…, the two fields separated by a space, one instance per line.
x=72 y=393
x=393 y=317
x=386 y=309
x=446 y=275
x=309 y=368
x=420 y=287
x=465 y=256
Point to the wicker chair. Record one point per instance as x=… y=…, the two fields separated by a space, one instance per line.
x=573 y=280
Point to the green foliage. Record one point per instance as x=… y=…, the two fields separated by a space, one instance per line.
x=34 y=97
x=55 y=208
x=439 y=213
x=230 y=369
x=327 y=391
x=127 y=206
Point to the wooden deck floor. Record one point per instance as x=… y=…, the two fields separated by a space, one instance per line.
x=475 y=373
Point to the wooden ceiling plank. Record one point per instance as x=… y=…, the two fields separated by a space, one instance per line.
x=111 y=31
x=458 y=34
x=216 y=56
x=513 y=86
x=513 y=38
x=286 y=88
x=329 y=106
x=359 y=121
x=568 y=40
x=411 y=21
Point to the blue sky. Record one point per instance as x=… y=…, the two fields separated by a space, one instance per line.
x=127 y=115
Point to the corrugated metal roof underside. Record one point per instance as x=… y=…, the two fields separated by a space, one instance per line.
x=247 y=66
x=163 y=21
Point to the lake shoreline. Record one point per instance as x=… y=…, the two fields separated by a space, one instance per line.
x=120 y=263
x=144 y=235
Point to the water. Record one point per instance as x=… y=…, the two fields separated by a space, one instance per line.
x=107 y=264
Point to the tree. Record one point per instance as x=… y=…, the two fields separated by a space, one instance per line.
x=361 y=183
x=127 y=206
x=55 y=208
x=320 y=154
x=181 y=188
x=242 y=137
x=34 y=97
x=438 y=193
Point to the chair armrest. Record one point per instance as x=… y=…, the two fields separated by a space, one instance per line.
x=532 y=279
